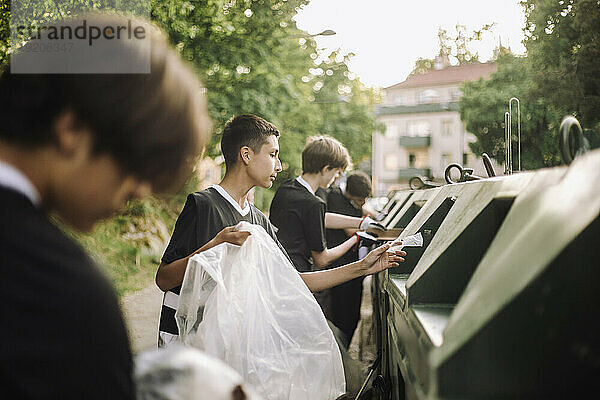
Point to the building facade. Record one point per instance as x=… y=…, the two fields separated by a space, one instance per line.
x=424 y=132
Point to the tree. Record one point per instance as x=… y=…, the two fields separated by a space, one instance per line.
x=253 y=59
x=484 y=102
x=454 y=48
x=563 y=44
x=33 y=13
x=422 y=65
x=4 y=31
x=559 y=76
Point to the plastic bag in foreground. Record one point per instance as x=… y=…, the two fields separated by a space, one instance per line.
x=260 y=319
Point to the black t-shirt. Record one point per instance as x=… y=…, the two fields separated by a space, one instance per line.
x=299 y=216
x=62 y=336
x=204 y=215
x=338 y=203
x=322 y=194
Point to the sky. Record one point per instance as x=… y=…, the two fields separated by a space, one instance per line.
x=388 y=36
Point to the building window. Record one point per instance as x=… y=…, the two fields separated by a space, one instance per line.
x=411 y=160
x=390 y=161
x=394 y=99
x=447 y=128
x=391 y=130
x=419 y=128
x=429 y=96
x=445 y=160
x=455 y=94
x=466 y=158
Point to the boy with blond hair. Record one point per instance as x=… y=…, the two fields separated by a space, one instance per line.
x=301 y=216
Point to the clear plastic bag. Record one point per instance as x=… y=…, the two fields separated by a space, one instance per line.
x=247 y=306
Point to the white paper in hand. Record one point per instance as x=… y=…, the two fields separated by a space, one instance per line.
x=415 y=240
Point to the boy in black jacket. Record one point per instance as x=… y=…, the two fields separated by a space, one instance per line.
x=344 y=300
x=80 y=146
x=301 y=215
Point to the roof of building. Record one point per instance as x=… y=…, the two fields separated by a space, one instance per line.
x=448 y=75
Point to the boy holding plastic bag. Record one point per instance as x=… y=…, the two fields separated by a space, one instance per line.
x=250 y=148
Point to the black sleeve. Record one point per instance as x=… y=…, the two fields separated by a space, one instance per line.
x=313 y=225
x=62 y=333
x=108 y=360
x=184 y=241
x=322 y=193
x=335 y=202
x=68 y=340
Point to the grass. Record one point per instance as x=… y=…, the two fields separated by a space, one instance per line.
x=127 y=265
x=128 y=247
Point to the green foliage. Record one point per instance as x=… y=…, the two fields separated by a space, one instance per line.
x=4 y=32
x=559 y=76
x=482 y=107
x=563 y=45
x=128 y=247
x=263 y=198
x=129 y=267
x=454 y=47
x=35 y=13
x=422 y=65
x=252 y=59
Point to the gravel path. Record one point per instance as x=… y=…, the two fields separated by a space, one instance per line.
x=142 y=311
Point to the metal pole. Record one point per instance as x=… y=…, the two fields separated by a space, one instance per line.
x=507 y=170
x=518 y=123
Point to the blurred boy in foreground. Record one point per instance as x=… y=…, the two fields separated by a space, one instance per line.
x=79 y=146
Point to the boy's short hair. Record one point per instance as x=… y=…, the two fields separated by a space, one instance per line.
x=321 y=151
x=245 y=130
x=358 y=184
x=153 y=125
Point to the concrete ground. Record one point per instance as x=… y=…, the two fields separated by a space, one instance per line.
x=142 y=311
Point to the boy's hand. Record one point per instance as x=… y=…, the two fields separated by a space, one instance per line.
x=231 y=235
x=380 y=259
x=369 y=223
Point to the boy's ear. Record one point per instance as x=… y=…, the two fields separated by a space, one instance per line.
x=246 y=154
x=69 y=135
x=325 y=169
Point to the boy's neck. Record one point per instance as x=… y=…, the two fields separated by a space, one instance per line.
x=314 y=180
x=28 y=163
x=237 y=186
